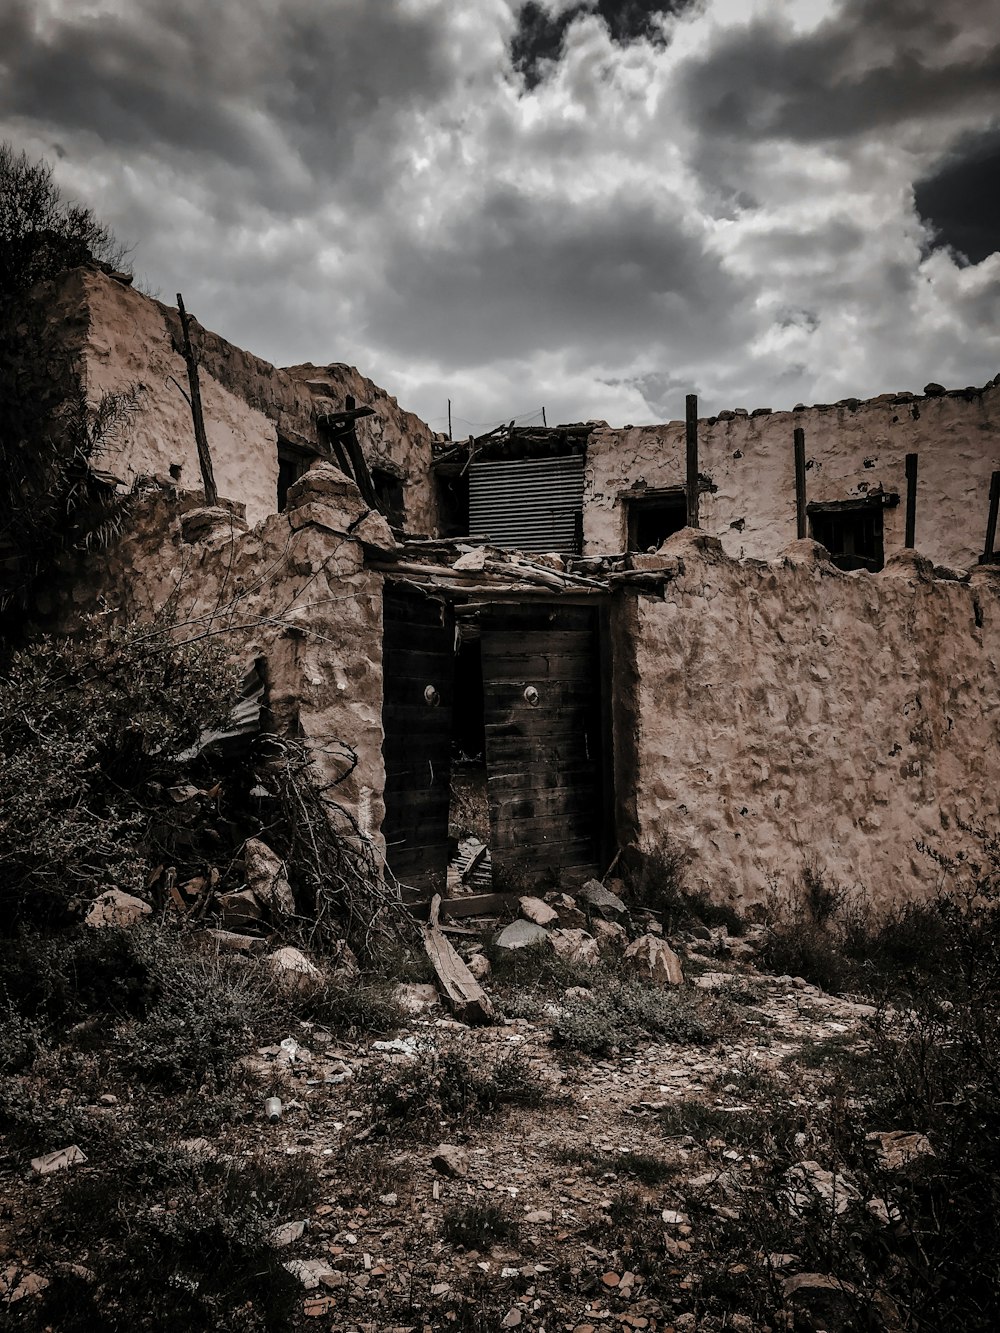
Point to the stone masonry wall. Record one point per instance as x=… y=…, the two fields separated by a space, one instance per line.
x=853 y=449
x=786 y=714
x=293 y=591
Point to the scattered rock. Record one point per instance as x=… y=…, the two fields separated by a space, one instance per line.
x=602 y=900
x=265 y=872
x=287 y=1234
x=897 y=1148
x=933 y=390
x=310 y=1272
x=569 y=914
x=653 y=959
x=809 y=1179
x=115 y=908
x=240 y=909
x=521 y=935
x=538 y=1216
x=511 y=1319
x=576 y=946
x=15 y=1285
x=578 y=993
x=716 y=980
x=830 y=1302
x=227 y=941
x=450 y=1160
x=290 y=967
x=533 y=909
x=60 y=1160
x=416 y=999
x=611 y=937
x=479 y=965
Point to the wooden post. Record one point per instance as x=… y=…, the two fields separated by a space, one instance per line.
x=691 y=437
x=197 y=415
x=911 y=501
x=991 y=522
x=801 y=518
x=544 y=422
x=449 y=418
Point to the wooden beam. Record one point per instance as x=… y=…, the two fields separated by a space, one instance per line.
x=911 y=501
x=467 y=999
x=801 y=521
x=691 y=440
x=197 y=415
x=989 y=550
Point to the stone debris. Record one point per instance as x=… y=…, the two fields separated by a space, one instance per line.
x=654 y=960
x=310 y=1272
x=60 y=1160
x=450 y=1160
x=16 y=1284
x=291 y=968
x=521 y=935
x=576 y=946
x=809 y=1181
x=287 y=1234
x=266 y=878
x=898 y=1148
x=479 y=965
x=534 y=909
x=416 y=999
x=115 y=908
x=602 y=900
x=829 y=1301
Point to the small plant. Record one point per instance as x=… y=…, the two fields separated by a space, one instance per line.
x=449 y=1088
x=624 y=1011
x=479 y=1226
x=656 y=879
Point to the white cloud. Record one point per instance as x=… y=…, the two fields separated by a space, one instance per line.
x=728 y=210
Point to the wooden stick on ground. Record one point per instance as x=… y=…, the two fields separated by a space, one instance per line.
x=468 y=1001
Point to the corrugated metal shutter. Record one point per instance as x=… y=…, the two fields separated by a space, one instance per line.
x=529 y=504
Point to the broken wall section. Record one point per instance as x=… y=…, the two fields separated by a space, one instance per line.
x=785 y=715
x=854 y=449
x=293 y=592
x=119 y=337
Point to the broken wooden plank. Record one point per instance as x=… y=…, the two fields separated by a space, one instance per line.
x=467 y=999
x=478 y=904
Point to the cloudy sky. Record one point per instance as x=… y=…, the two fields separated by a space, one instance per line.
x=582 y=204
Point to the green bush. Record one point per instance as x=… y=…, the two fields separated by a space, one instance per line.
x=623 y=1012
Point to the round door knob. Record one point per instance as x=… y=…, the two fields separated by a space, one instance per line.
x=531 y=695
x=431 y=696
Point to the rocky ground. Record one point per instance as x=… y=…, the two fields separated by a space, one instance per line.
x=539 y=1173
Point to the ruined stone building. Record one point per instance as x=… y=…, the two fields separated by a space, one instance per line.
x=534 y=597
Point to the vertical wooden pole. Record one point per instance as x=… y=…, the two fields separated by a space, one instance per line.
x=691 y=438
x=449 y=418
x=197 y=415
x=991 y=523
x=911 y=501
x=544 y=422
x=801 y=518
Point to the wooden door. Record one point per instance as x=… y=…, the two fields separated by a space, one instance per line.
x=418 y=659
x=545 y=741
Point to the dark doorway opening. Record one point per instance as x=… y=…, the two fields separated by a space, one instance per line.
x=293 y=461
x=389 y=494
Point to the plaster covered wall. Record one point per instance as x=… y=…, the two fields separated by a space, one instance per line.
x=121 y=337
x=853 y=449
x=783 y=714
x=293 y=591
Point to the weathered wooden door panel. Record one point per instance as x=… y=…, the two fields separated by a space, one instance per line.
x=544 y=733
x=418 y=662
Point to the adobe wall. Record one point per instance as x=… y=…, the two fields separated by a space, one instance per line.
x=293 y=591
x=121 y=337
x=787 y=714
x=852 y=449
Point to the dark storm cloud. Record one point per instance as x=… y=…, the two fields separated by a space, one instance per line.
x=871 y=63
x=244 y=81
x=517 y=274
x=960 y=199
x=538 y=40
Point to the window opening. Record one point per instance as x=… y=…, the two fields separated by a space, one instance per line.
x=389 y=493
x=852 y=533
x=652 y=518
x=292 y=463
